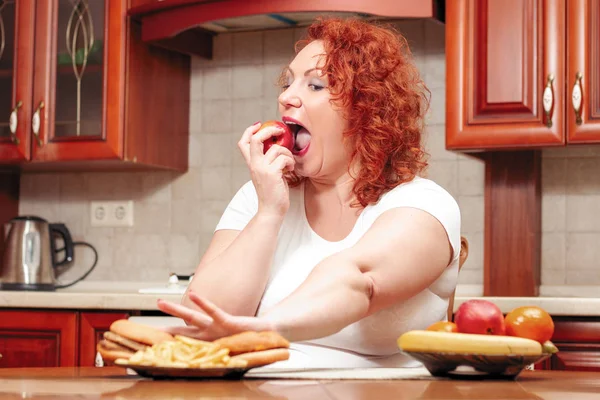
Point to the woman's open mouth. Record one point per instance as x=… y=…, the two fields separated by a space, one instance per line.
x=302 y=137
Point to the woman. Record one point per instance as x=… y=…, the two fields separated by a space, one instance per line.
x=338 y=244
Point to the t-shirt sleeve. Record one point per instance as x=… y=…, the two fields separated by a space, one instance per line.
x=240 y=210
x=431 y=198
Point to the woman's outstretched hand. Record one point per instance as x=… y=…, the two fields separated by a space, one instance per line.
x=211 y=324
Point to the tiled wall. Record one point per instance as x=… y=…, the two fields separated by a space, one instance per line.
x=176 y=214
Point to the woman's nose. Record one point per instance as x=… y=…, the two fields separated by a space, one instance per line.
x=288 y=98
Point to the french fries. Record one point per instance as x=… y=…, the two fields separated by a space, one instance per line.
x=184 y=352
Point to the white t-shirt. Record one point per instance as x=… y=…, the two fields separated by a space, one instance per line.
x=371 y=341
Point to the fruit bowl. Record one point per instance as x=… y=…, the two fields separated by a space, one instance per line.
x=475 y=366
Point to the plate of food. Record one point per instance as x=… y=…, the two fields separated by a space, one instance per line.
x=465 y=355
x=152 y=353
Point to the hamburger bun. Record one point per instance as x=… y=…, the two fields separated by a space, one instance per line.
x=125 y=338
x=263 y=357
x=140 y=333
x=247 y=342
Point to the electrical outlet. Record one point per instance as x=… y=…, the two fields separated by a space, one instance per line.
x=111 y=213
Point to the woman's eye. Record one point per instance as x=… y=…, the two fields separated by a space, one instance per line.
x=285 y=87
x=315 y=87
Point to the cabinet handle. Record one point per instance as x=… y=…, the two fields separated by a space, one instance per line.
x=548 y=100
x=36 y=123
x=13 y=122
x=577 y=97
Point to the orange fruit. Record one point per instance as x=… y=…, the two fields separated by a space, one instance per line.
x=443 y=326
x=529 y=322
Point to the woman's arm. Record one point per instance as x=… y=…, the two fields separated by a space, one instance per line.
x=404 y=251
x=234 y=270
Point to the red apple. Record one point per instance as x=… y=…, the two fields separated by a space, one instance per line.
x=480 y=316
x=285 y=139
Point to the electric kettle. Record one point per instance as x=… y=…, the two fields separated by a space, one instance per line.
x=30 y=254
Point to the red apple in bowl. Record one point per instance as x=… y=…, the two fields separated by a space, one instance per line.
x=479 y=316
x=285 y=139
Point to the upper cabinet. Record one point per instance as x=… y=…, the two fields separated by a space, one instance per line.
x=82 y=90
x=522 y=73
x=583 y=71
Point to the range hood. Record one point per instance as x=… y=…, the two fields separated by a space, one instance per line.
x=188 y=25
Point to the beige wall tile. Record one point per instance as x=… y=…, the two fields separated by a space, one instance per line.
x=554 y=175
x=271 y=74
x=247 y=81
x=186 y=217
x=216 y=116
x=156 y=187
x=583 y=251
x=84 y=259
x=216 y=183
x=196 y=80
x=470 y=277
x=584 y=277
x=553 y=276
x=248 y=48
x=583 y=176
x=474 y=260
x=195 y=151
x=437 y=109
x=188 y=186
x=471 y=177
x=217 y=83
x=434 y=141
x=270 y=109
x=222 y=49
x=554 y=248
x=72 y=186
x=583 y=213
x=279 y=46
x=183 y=253
x=152 y=218
x=212 y=210
x=245 y=113
x=435 y=56
x=471 y=208
x=196 y=113
x=554 y=212
x=445 y=174
x=113 y=185
x=239 y=176
x=216 y=150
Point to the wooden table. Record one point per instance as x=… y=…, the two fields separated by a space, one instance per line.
x=113 y=383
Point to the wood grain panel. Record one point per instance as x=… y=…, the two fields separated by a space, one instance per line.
x=158 y=84
x=21 y=332
x=92 y=328
x=165 y=19
x=504 y=50
x=11 y=153
x=512 y=223
x=9 y=202
x=583 y=35
x=498 y=58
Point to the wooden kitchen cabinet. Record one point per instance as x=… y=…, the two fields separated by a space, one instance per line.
x=92 y=328
x=52 y=338
x=578 y=342
x=514 y=69
x=83 y=91
x=38 y=339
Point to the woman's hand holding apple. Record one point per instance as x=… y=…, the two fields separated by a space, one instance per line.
x=267 y=168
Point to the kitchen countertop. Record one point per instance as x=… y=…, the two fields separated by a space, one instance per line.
x=125 y=296
x=111 y=383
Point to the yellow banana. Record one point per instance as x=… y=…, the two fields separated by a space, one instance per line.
x=467 y=343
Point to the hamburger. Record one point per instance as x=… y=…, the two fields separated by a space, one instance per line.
x=124 y=338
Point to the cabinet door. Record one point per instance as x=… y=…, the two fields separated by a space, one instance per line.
x=500 y=57
x=16 y=78
x=578 y=342
x=92 y=327
x=38 y=339
x=78 y=91
x=583 y=71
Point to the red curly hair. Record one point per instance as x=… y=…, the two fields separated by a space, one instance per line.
x=372 y=76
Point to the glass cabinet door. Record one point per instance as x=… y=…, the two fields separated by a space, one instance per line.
x=79 y=69
x=79 y=73
x=7 y=51
x=16 y=78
